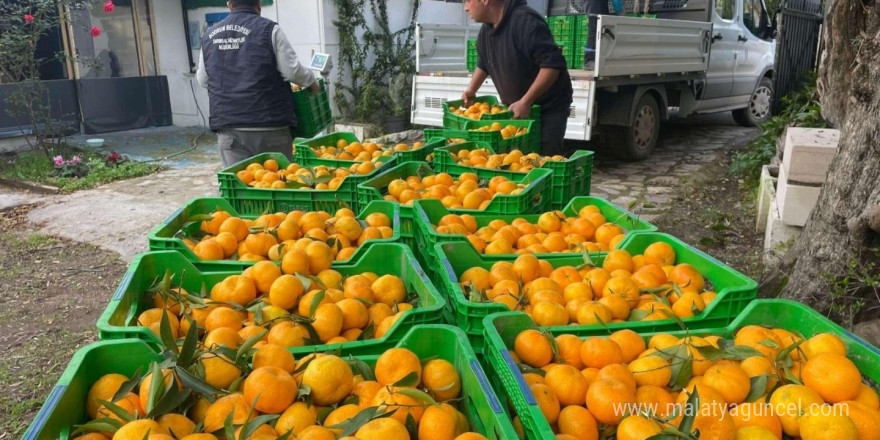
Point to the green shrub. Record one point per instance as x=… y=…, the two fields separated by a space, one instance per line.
x=801 y=109
x=32 y=166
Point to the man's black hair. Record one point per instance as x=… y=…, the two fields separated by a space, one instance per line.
x=244 y=3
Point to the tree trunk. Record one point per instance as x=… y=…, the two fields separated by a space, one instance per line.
x=845 y=224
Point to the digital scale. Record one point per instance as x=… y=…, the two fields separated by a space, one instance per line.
x=322 y=63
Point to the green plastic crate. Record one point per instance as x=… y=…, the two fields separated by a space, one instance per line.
x=116 y=322
x=255 y=201
x=578 y=55
x=484 y=410
x=471 y=55
x=162 y=237
x=535 y=198
x=571 y=178
x=445 y=133
x=562 y=27
x=429 y=212
x=568 y=52
x=302 y=149
x=456 y=122
x=527 y=143
x=502 y=328
x=65 y=405
x=443 y=160
x=313 y=112
x=422 y=153
x=734 y=289
x=582 y=27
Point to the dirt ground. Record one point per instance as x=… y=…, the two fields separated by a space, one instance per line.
x=53 y=292
x=716 y=213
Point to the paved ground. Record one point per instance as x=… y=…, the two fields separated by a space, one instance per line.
x=685 y=147
x=121 y=214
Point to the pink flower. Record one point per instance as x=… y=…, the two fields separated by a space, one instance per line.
x=95 y=31
x=29 y=18
x=75 y=160
x=58 y=161
x=108 y=7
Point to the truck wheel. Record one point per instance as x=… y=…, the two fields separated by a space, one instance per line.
x=760 y=106
x=637 y=141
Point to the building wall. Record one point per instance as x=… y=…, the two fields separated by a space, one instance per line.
x=174 y=63
x=308 y=25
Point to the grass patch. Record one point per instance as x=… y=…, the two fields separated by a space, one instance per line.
x=34 y=166
x=31 y=370
x=37 y=240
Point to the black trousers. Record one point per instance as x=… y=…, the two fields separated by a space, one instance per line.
x=553 y=124
x=593 y=8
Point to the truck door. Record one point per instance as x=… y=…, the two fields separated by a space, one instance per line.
x=754 y=53
x=722 y=59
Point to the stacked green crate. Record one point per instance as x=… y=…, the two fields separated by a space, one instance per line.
x=312 y=110
x=735 y=290
x=502 y=328
x=171 y=233
x=471 y=55
x=582 y=29
x=133 y=296
x=563 y=28
x=582 y=24
x=65 y=408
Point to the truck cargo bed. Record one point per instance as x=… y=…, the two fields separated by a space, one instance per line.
x=630 y=50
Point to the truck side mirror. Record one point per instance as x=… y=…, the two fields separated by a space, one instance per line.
x=768 y=22
x=773 y=26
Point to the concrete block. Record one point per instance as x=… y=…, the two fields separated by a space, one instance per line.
x=362 y=131
x=808 y=153
x=795 y=201
x=778 y=236
x=765 y=194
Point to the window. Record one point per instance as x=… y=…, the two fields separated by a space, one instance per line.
x=753 y=17
x=125 y=47
x=144 y=28
x=725 y=9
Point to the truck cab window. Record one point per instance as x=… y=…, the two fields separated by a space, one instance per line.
x=725 y=8
x=753 y=15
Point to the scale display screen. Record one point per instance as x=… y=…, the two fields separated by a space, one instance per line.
x=319 y=61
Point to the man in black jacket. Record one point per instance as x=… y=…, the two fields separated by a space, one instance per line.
x=247 y=65
x=516 y=49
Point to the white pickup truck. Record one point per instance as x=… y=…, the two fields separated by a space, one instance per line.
x=700 y=56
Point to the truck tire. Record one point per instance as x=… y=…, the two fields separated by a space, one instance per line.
x=637 y=141
x=760 y=105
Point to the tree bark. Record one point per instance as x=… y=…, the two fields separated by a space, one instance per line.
x=840 y=228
